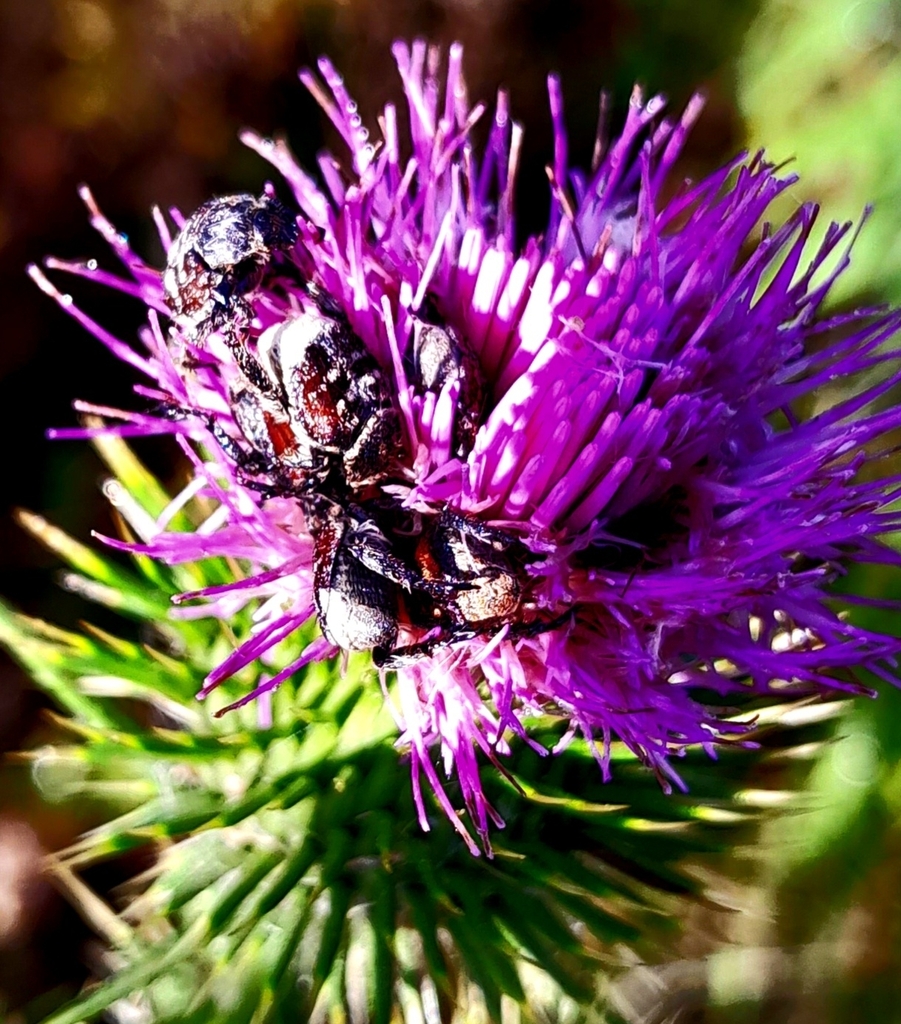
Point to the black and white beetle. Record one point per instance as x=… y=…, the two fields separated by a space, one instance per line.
x=331 y=410
x=437 y=357
x=218 y=258
x=357 y=576
x=324 y=421
x=485 y=570
x=460 y=548
x=457 y=546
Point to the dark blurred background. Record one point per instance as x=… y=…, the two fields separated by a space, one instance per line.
x=143 y=99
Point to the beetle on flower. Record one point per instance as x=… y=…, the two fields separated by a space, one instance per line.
x=639 y=433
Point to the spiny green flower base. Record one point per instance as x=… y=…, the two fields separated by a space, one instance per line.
x=292 y=880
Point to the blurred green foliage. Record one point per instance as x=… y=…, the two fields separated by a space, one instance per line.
x=820 y=85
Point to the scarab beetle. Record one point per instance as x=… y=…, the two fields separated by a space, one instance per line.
x=487 y=567
x=357 y=576
x=218 y=258
x=454 y=547
x=322 y=419
x=335 y=394
x=438 y=357
x=220 y=254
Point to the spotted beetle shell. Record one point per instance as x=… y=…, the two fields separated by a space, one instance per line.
x=221 y=252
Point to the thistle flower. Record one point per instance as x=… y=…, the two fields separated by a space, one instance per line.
x=649 y=360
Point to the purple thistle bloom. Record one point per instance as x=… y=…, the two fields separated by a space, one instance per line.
x=647 y=359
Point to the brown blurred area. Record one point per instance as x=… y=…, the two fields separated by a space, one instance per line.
x=143 y=99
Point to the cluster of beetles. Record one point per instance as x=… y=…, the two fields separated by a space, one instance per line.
x=317 y=422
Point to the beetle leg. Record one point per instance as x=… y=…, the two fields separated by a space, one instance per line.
x=375 y=449
x=231 y=321
x=491 y=535
x=373 y=552
x=251 y=462
x=401 y=656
